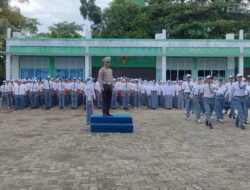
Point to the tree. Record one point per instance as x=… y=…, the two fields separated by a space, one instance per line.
x=200 y=19
x=90 y=11
x=181 y=19
x=123 y=19
x=31 y=26
x=10 y=17
x=65 y=30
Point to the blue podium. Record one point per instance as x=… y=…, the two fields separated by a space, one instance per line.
x=118 y=123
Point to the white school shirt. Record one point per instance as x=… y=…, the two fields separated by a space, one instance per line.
x=168 y=90
x=81 y=86
x=228 y=87
x=11 y=86
x=126 y=86
x=48 y=85
x=187 y=86
x=97 y=86
x=60 y=86
x=220 y=90
x=74 y=86
x=198 y=89
x=247 y=91
x=20 y=90
x=238 y=89
x=89 y=91
x=177 y=89
x=209 y=90
x=33 y=87
x=5 y=88
x=41 y=87
x=138 y=87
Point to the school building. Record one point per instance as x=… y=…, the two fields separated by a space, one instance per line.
x=161 y=59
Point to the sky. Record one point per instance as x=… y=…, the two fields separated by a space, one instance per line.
x=54 y=11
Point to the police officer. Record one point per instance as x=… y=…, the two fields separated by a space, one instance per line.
x=105 y=79
x=208 y=99
x=238 y=92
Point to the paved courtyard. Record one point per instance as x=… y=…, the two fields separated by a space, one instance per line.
x=54 y=150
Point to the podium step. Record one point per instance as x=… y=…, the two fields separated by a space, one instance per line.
x=112 y=128
x=118 y=123
x=117 y=118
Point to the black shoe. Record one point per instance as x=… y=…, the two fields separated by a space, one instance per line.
x=246 y=122
x=210 y=126
x=242 y=127
x=109 y=114
x=236 y=124
x=230 y=115
x=206 y=123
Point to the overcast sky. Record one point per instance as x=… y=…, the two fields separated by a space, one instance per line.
x=53 y=11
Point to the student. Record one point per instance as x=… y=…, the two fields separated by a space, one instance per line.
x=208 y=99
x=5 y=95
x=19 y=93
x=60 y=87
x=168 y=92
x=90 y=95
x=229 y=104
x=137 y=100
x=187 y=89
x=238 y=92
x=73 y=94
x=125 y=98
x=197 y=93
x=219 y=101
x=114 y=94
x=98 y=93
x=33 y=93
x=48 y=89
x=154 y=96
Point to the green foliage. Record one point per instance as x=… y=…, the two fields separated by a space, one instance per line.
x=124 y=19
x=90 y=11
x=31 y=26
x=10 y=17
x=192 y=19
x=64 y=30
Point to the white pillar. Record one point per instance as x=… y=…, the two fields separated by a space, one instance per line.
x=164 y=68
x=86 y=66
x=90 y=66
x=241 y=61
x=8 y=67
x=163 y=64
x=230 y=67
x=241 y=64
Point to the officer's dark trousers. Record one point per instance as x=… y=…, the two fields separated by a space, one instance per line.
x=106 y=98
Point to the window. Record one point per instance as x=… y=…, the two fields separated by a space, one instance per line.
x=68 y=67
x=173 y=75
x=31 y=67
x=201 y=73
x=168 y=75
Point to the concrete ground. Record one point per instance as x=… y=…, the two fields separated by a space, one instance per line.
x=54 y=150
